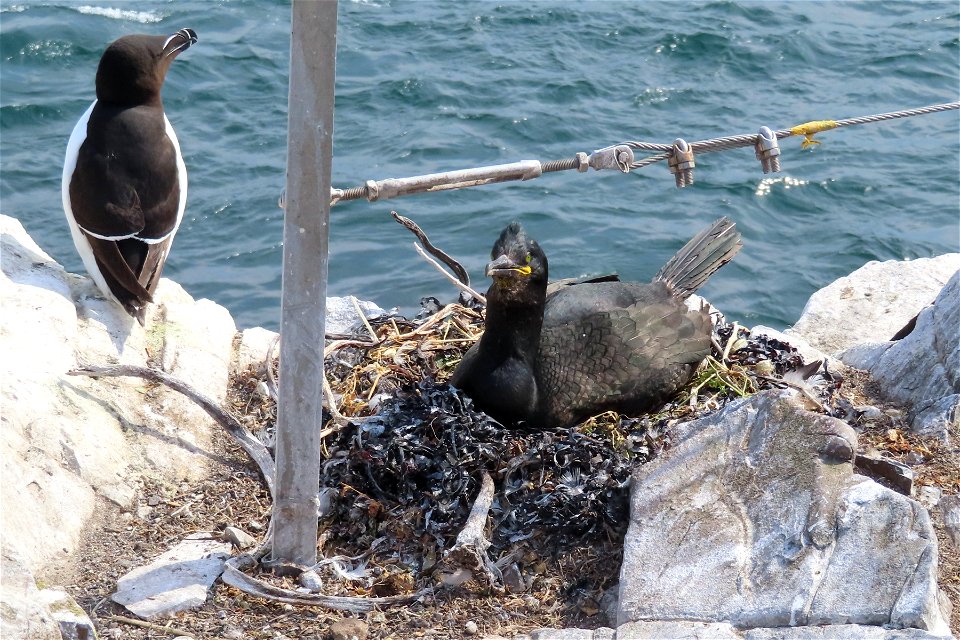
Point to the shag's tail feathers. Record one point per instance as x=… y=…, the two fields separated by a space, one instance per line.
x=709 y=250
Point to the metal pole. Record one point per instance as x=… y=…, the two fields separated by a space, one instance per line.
x=313 y=45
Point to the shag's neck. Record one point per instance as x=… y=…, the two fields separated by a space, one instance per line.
x=513 y=323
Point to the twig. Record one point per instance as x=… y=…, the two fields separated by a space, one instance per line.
x=235 y=577
x=469 y=554
x=338 y=418
x=730 y=341
x=458 y=269
x=272 y=387
x=173 y=631
x=363 y=318
x=798 y=387
x=463 y=287
x=247 y=442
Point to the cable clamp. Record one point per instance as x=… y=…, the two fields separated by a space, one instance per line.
x=768 y=150
x=681 y=163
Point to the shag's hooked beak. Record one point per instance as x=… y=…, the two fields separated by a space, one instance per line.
x=504 y=267
x=179 y=41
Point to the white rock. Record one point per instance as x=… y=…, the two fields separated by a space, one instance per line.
x=74 y=622
x=253 y=347
x=23 y=616
x=70 y=440
x=755 y=518
x=176 y=580
x=873 y=303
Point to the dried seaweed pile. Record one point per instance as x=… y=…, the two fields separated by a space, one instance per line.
x=405 y=466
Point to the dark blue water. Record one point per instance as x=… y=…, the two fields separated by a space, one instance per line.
x=432 y=86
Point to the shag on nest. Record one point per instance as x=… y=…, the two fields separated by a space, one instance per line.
x=553 y=356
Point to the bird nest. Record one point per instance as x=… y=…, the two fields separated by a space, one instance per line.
x=404 y=453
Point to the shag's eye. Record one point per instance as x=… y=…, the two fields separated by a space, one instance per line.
x=528 y=258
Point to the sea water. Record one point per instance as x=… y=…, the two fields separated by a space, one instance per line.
x=427 y=86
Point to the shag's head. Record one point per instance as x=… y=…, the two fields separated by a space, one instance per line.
x=133 y=68
x=518 y=263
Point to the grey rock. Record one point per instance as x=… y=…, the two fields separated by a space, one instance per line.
x=873 y=303
x=844 y=631
x=939 y=418
x=896 y=473
x=755 y=518
x=176 y=580
x=311 y=581
x=922 y=370
x=239 y=538
x=951 y=517
x=929 y=496
x=349 y=629
x=869 y=412
x=677 y=630
x=512 y=579
x=342 y=315
x=573 y=634
x=23 y=616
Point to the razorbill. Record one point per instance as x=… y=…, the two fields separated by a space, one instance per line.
x=124 y=181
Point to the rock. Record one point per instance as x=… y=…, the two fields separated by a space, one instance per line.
x=845 y=631
x=896 y=473
x=921 y=370
x=311 y=581
x=938 y=418
x=929 y=496
x=252 y=349
x=951 y=517
x=75 y=440
x=873 y=303
x=513 y=579
x=239 y=538
x=342 y=314
x=23 y=615
x=74 y=622
x=471 y=628
x=572 y=634
x=755 y=518
x=349 y=629
x=676 y=630
x=174 y=581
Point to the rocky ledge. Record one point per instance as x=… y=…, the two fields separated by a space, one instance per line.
x=753 y=525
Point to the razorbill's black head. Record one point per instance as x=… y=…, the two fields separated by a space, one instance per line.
x=124 y=182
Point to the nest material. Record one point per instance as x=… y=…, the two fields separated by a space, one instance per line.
x=402 y=474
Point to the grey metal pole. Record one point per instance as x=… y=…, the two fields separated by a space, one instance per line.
x=313 y=46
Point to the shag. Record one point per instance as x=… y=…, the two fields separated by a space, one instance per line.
x=124 y=181
x=552 y=356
